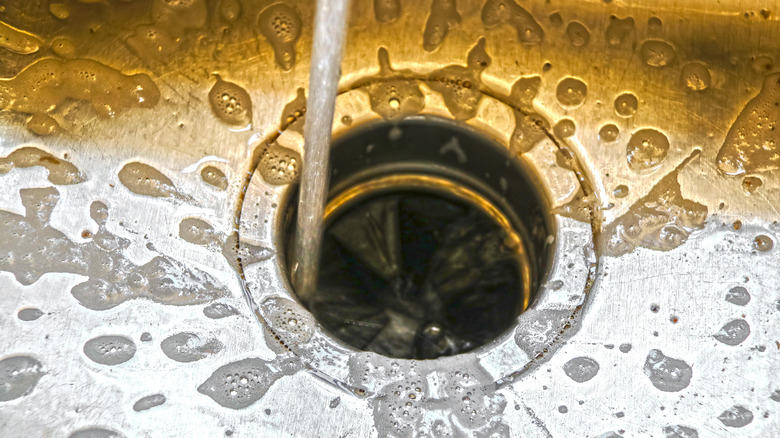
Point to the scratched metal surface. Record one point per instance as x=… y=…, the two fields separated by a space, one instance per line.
x=147 y=324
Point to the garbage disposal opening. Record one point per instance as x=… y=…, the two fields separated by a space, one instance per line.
x=435 y=239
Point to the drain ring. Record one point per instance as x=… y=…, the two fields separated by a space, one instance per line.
x=552 y=315
x=434 y=240
x=430 y=183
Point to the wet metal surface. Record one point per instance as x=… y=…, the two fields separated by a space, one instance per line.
x=658 y=316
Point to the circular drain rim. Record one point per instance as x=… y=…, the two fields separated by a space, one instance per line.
x=427 y=183
x=533 y=338
x=397 y=184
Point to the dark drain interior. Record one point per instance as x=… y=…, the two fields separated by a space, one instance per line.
x=435 y=239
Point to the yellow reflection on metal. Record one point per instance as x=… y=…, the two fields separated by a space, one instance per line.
x=428 y=183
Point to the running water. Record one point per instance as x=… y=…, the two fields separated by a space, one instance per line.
x=329 y=34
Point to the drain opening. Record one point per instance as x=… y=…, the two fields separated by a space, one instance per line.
x=435 y=240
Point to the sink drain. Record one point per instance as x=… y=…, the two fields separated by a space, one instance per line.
x=435 y=239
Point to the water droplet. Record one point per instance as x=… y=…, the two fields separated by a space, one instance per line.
x=387 y=11
x=577 y=33
x=752 y=142
x=18 y=376
x=736 y=416
x=626 y=105
x=530 y=127
x=29 y=314
x=751 y=184
x=662 y=220
x=666 y=373
x=646 y=149
x=200 y=232
x=279 y=311
x=60 y=11
x=564 y=128
x=278 y=165
x=459 y=86
x=148 y=402
x=110 y=350
x=281 y=25
x=214 y=177
x=294 y=113
x=387 y=87
x=556 y=20
x=64 y=47
x=219 y=310
x=738 y=295
x=581 y=369
x=145 y=180
x=657 y=53
x=189 y=347
x=763 y=243
x=620 y=191
x=17 y=40
x=497 y=12
x=443 y=17
x=54 y=82
x=733 y=332
x=42 y=125
x=257 y=377
x=619 y=29
x=680 y=432
x=109 y=278
x=695 y=76
x=230 y=103
x=60 y=171
x=571 y=92
x=230 y=10
x=654 y=25
x=609 y=133
x=95 y=432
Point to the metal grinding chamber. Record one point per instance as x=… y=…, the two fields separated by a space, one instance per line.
x=427 y=253
x=149 y=152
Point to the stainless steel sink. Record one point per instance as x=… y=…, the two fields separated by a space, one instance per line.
x=149 y=151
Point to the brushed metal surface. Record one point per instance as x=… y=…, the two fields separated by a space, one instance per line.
x=665 y=330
